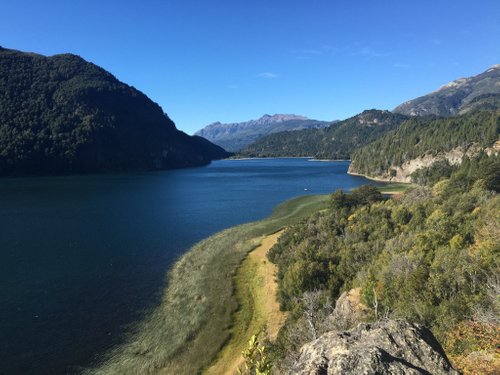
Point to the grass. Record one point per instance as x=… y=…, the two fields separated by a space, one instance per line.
x=259 y=310
x=193 y=321
x=395 y=188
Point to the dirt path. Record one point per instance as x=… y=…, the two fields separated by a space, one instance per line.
x=256 y=289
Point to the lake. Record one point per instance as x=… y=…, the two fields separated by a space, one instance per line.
x=82 y=257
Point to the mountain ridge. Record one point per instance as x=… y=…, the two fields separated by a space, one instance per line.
x=334 y=142
x=61 y=114
x=459 y=96
x=235 y=136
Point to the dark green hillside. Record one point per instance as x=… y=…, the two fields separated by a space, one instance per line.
x=62 y=114
x=419 y=136
x=335 y=142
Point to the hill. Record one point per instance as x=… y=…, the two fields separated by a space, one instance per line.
x=430 y=257
x=62 y=114
x=421 y=142
x=335 y=142
x=458 y=97
x=236 y=136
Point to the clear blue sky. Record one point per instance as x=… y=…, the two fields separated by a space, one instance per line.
x=232 y=60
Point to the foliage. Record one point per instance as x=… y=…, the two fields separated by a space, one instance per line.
x=481 y=167
x=62 y=114
x=335 y=142
x=420 y=136
x=256 y=359
x=430 y=175
x=426 y=256
x=473 y=347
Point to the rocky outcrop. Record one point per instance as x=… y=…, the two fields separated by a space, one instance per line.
x=403 y=173
x=349 y=310
x=386 y=347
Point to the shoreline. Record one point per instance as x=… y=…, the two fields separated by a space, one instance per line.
x=273 y=157
x=186 y=332
x=376 y=179
x=259 y=311
x=310 y=158
x=193 y=324
x=397 y=187
x=322 y=160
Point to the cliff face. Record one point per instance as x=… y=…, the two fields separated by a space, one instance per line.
x=62 y=114
x=421 y=142
x=403 y=173
x=386 y=347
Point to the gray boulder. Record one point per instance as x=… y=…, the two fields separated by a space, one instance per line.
x=386 y=347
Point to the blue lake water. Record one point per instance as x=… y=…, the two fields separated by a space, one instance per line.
x=82 y=257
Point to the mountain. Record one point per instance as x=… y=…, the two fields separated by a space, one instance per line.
x=420 y=142
x=334 y=142
x=458 y=97
x=236 y=136
x=62 y=114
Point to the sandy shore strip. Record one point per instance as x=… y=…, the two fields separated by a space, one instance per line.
x=256 y=289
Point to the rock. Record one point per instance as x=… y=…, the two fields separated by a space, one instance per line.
x=386 y=347
x=349 y=310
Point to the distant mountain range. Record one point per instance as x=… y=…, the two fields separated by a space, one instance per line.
x=236 y=136
x=458 y=97
x=340 y=140
x=334 y=142
x=62 y=114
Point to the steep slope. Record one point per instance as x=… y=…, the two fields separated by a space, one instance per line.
x=458 y=97
x=335 y=142
x=62 y=114
x=421 y=142
x=236 y=136
x=428 y=257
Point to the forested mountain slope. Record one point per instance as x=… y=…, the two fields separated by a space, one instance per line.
x=62 y=114
x=335 y=142
x=420 y=142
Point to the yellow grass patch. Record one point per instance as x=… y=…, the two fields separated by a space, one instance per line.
x=259 y=310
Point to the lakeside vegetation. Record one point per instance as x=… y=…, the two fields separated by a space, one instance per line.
x=431 y=256
x=395 y=188
x=258 y=313
x=193 y=321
